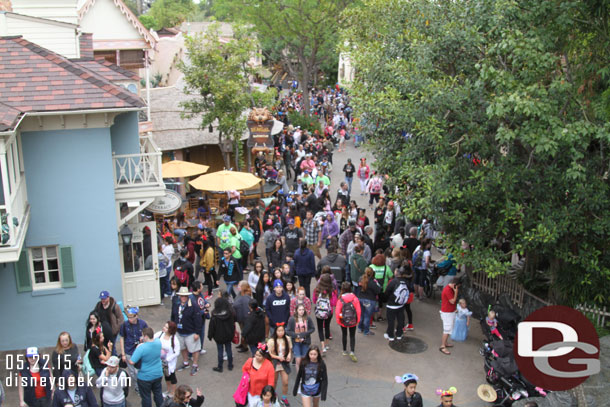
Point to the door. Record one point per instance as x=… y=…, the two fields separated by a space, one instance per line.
x=141 y=266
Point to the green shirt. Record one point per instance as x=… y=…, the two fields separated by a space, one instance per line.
x=382 y=274
x=324 y=179
x=307 y=180
x=223 y=233
x=234 y=240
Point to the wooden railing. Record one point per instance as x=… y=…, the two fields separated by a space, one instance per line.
x=599 y=316
x=138 y=170
x=499 y=285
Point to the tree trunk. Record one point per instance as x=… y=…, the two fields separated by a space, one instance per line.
x=304 y=79
x=225 y=156
x=236 y=149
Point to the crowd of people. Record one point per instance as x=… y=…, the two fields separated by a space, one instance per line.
x=309 y=258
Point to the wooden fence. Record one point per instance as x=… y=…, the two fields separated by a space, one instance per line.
x=599 y=316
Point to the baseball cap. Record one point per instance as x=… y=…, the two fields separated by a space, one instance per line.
x=133 y=310
x=112 y=361
x=104 y=295
x=278 y=283
x=33 y=350
x=352 y=222
x=226 y=218
x=290 y=221
x=289 y=199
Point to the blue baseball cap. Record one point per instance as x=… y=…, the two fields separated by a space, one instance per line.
x=290 y=221
x=289 y=199
x=226 y=218
x=133 y=310
x=278 y=283
x=104 y=295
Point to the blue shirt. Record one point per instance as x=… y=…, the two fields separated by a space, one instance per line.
x=150 y=353
x=131 y=334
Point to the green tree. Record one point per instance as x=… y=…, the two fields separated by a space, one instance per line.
x=217 y=75
x=497 y=111
x=168 y=13
x=301 y=34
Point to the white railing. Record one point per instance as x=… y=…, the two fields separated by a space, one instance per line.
x=600 y=316
x=14 y=213
x=139 y=170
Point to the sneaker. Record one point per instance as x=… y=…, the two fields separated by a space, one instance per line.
x=410 y=327
x=373 y=326
x=194 y=370
x=353 y=357
x=369 y=333
x=184 y=366
x=217 y=369
x=386 y=336
x=330 y=337
x=285 y=401
x=398 y=338
x=324 y=350
x=344 y=353
x=230 y=367
x=203 y=352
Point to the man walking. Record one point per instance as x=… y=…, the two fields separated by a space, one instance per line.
x=110 y=312
x=151 y=370
x=305 y=266
x=131 y=336
x=187 y=317
x=313 y=234
x=349 y=169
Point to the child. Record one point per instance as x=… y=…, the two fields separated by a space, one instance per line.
x=408 y=397
x=268 y=398
x=446 y=397
x=492 y=323
x=462 y=322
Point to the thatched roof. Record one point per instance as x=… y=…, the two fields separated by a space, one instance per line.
x=170 y=130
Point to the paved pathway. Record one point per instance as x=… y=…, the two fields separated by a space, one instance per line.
x=370 y=382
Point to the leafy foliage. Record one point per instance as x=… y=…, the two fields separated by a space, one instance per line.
x=310 y=124
x=301 y=34
x=217 y=74
x=168 y=13
x=497 y=111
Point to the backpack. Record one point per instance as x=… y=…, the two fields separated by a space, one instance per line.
x=375 y=186
x=244 y=248
x=182 y=275
x=86 y=367
x=349 y=317
x=401 y=293
x=418 y=259
x=323 y=307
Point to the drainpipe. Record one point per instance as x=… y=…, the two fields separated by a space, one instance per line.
x=147 y=85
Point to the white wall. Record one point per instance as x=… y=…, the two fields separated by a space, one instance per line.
x=106 y=22
x=60 y=10
x=61 y=39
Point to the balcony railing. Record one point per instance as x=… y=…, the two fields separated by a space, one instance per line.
x=138 y=170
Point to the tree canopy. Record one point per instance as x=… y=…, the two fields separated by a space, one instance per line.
x=168 y=13
x=498 y=113
x=218 y=75
x=301 y=34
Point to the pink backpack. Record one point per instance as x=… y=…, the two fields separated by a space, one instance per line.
x=241 y=394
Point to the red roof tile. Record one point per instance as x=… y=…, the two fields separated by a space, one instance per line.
x=34 y=79
x=107 y=69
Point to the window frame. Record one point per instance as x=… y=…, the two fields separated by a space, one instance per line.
x=47 y=284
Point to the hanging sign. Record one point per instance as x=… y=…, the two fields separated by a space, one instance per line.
x=168 y=203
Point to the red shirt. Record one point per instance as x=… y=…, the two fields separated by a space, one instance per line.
x=448 y=294
x=39 y=390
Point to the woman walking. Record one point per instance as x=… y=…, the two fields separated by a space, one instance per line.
x=207 y=263
x=254 y=326
x=280 y=350
x=277 y=255
x=222 y=329
x=65 y=356
x=170 y=350
x=255 y=275
x=367 y=295
x=363 y=175
x=99 y=354
x=325 y=300
x=348 y=316
x=312 y=379
x=261 y=373
x=300 y=327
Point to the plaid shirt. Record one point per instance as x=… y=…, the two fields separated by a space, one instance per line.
x=312 y=229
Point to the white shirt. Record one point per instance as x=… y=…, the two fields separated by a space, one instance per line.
x=171 y=354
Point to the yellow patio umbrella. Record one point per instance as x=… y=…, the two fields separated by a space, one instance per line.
x=225 y=181
x=182 y=169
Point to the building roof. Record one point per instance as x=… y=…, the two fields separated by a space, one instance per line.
x=127 y=13
x=107 y=69
x=170 y=130
x=34 y=79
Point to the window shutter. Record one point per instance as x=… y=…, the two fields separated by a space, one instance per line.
x=68 y=276
x=22 y=273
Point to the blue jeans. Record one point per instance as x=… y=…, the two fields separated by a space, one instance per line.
x=153 y=386
x=368 y=307
x=253 y=349
x=164 y=283
x=227 y=348
x=121 y=404
x=230 y=290
x=349 y=185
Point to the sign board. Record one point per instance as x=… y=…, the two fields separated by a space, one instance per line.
x=168 y=203
x=260 y=134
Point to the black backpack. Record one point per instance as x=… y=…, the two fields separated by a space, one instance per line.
x=244 y=248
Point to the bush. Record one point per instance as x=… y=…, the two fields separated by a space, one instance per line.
x=310 y=124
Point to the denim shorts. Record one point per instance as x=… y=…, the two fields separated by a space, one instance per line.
x=299 y=349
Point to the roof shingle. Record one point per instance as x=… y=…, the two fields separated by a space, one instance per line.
x=34 y=79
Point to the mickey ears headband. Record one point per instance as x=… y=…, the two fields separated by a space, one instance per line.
x=405 y=378
x=452 y=390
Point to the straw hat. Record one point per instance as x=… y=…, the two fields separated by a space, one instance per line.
x=184 y=291
x=487 y=393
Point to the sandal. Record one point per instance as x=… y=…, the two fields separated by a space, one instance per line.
x=444 y=350
x=449 y=345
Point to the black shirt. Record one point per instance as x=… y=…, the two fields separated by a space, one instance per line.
x=400 y=400
x=349 y=170
x=292 y=238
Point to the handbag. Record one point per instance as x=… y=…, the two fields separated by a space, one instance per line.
x=235 y=337
x=241 y=394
